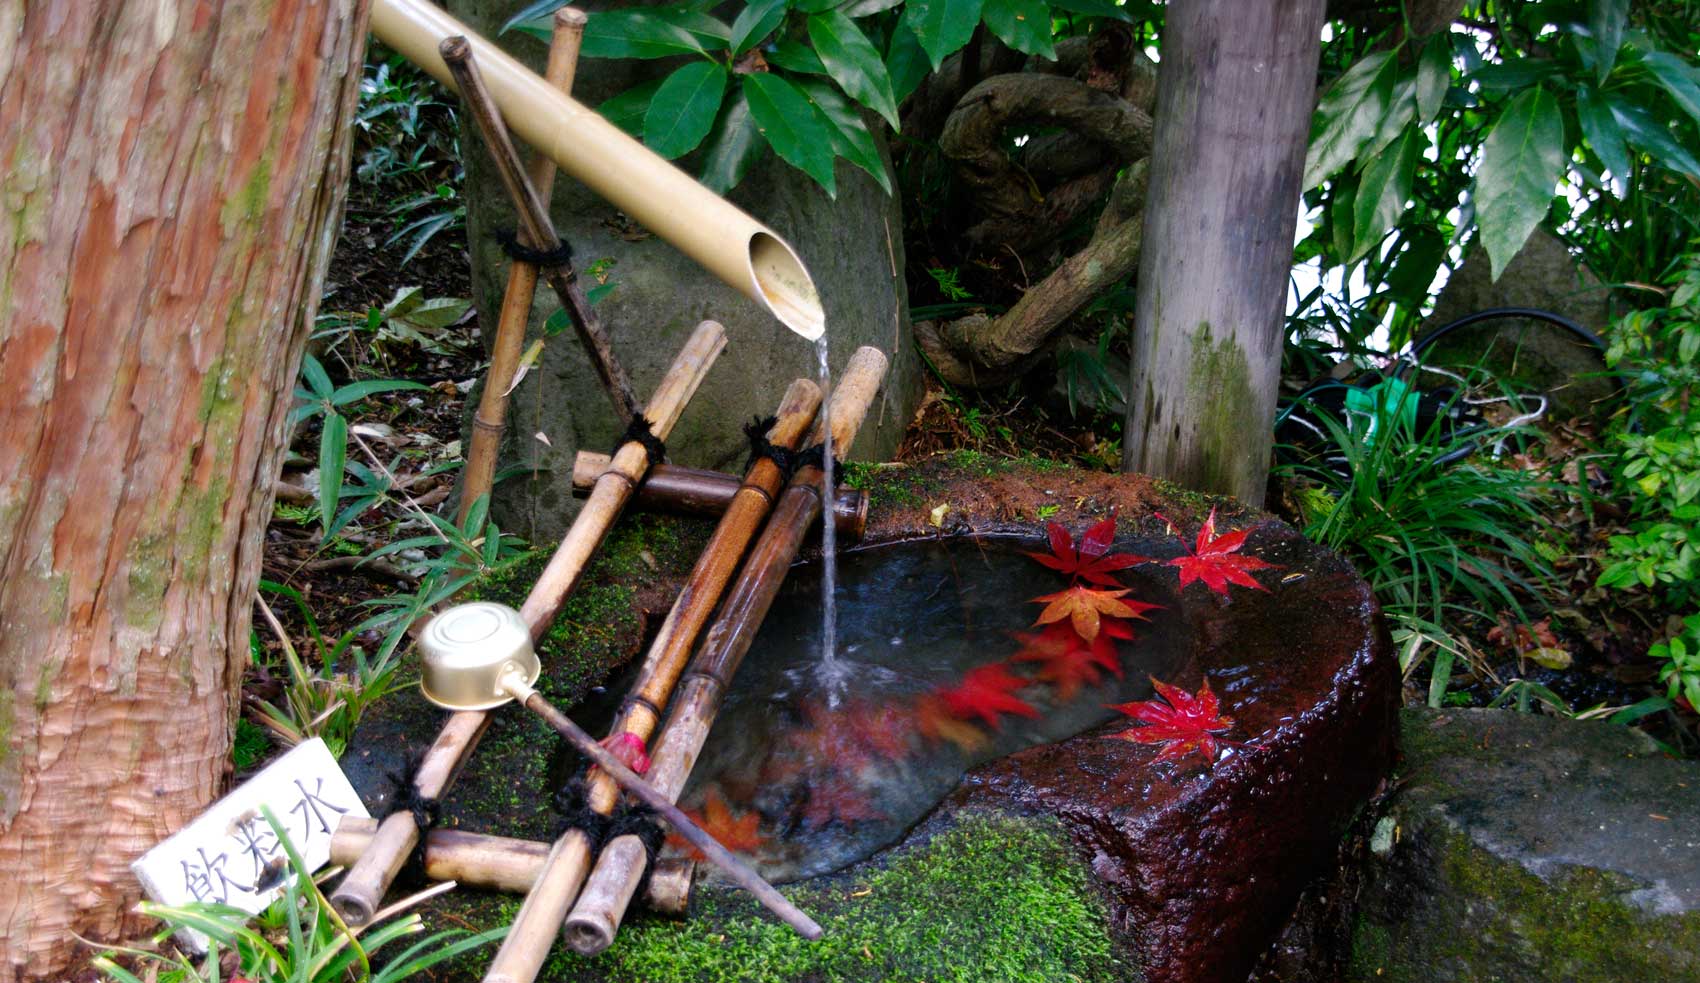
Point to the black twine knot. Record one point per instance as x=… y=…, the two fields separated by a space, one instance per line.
x=427 y=812
x=572 y=804
x=784 y=458
x=560 y=254
x=815 y=456
x=642 y=431
x=637 y=819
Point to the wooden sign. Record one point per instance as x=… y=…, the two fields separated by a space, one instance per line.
x=231 y=855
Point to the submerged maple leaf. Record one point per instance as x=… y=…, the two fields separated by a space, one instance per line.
x=840 y=802
x=985 y=693
x=1069 y=661
x=1085 y=607
x=1188 y=722
x=935 y=721
x=1217 y=561
x=1091 y=560
x=736 y=833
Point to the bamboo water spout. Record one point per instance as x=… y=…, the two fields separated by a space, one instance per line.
x=612 y=883
x=739 y=250
x=699 y=491
x=357 y=897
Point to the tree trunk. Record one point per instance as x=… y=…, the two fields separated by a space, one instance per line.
x=1235 y=88
x=173 y=175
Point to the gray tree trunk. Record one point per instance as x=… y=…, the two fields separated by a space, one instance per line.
x=1235 y=88
x=853 y=248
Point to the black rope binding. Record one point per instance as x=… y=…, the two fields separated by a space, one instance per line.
x=559 y=254
x=427 y=812
x=572 y=804
x=815 y=456
x=637 y=819
x=642 y=431
x=784 y=458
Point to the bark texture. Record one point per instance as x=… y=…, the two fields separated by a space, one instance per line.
x=172 y=175
x=1234 y=94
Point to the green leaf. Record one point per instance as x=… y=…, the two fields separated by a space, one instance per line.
x=1514 y=73
x=534 y=16
x=853 y=62
x=755 y=23
x=1434 y=75
x=1024 y=25
x=850 y=137
x=1522 y=160
x=796 y=57
x=557 y=323
x=1383 y=189
x=1401 y=113
x=628 y=109
x=867 y=8
x=794 y=128
x=1413 y=271
x=333 y=455
x=1349 y=115
x=683 y=109
x=1677 y=78
x=1603 y=134
x=1605 y=22
x=733 y=147
x=317 y=378
x=942 y=26
x=1340 y=210
x=642 y=32
x=906 y=62
x=813 y=6
x=371 y=387
x=1094 y=8
x=1651 y=135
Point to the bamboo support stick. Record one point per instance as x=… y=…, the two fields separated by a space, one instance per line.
x=742 y=252
x=699 y=491
x=501 y=863
x=539 y=231
x=608 y=891
x=492 y=414
x=533 y=932
x=357 y=897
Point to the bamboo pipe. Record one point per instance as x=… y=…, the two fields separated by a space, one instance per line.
x=608 y=891
x=533 y=932
x=730 y=244
x=699 y=491
x=491 y=417
x=357 y=896
x=501 y=863
x=456 y=53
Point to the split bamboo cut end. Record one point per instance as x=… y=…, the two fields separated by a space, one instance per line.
x=855 y=393
x=783 y=284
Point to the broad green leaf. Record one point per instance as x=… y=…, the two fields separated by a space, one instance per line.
x=1516 y=73
x=795 y=57
x=1401 y=113
x=1024 y=25
x=905 y=62
x=371 y=387
x=794 y=128
x=436 y=313
x=683 y=109
x=1434 y=75
x=942 y=26
x=853 y=61
x=850 y=137
x=1677 y=78
x=333 y=455
x=1348 y=115
x=733 y=146
x=1652 y=136
x=1605 y=23
x=1340 y=209
x=1414 y=269
x=755 y=23
x=814 y=6
x=1603 y=134
x=1522 y=160
x=867 y=8
x=628 y=109
x=636 y=33
x=1094 y=8
x=1383 y=189
x=318 y=379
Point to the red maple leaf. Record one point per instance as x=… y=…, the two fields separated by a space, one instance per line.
x=850 y=738
x=933 y=718
x=840 y=802
x=1085 y=607
x=736 y=833
x=1186 y=723
x=1069 y=661
x=985 y=693
x=1091 y=561
x=1217 y=561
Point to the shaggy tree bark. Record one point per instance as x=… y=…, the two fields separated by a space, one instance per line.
x=1235 y=89
x=173 y=175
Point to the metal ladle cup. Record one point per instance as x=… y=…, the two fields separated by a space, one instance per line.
x=479 y=656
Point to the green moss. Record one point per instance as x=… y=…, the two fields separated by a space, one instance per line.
x=248 y=204
x=1220 y=387
x=148 y=560
x=906 y=485
x=990 y=898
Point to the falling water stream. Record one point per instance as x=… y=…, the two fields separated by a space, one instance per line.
x=834 y=675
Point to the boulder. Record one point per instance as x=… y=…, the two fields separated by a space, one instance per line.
x=1525 y=849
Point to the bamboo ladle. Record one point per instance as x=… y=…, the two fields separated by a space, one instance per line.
x=479 y=656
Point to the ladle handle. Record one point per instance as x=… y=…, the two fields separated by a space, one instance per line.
x=721 y=857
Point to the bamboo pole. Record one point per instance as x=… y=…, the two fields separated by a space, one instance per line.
x=608 y=891
x=491 y=417
x=357 y=897
x=501 y=863
x=730 y=244
x=539 y=231
x=699 y=491
x=533 y=932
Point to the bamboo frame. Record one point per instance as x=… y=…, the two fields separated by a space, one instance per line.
x=699 y=491
x=363 y=887
x=490 y=419
x=456 y=53
x=533 y=932
x=602 y=904
x=730 y=244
